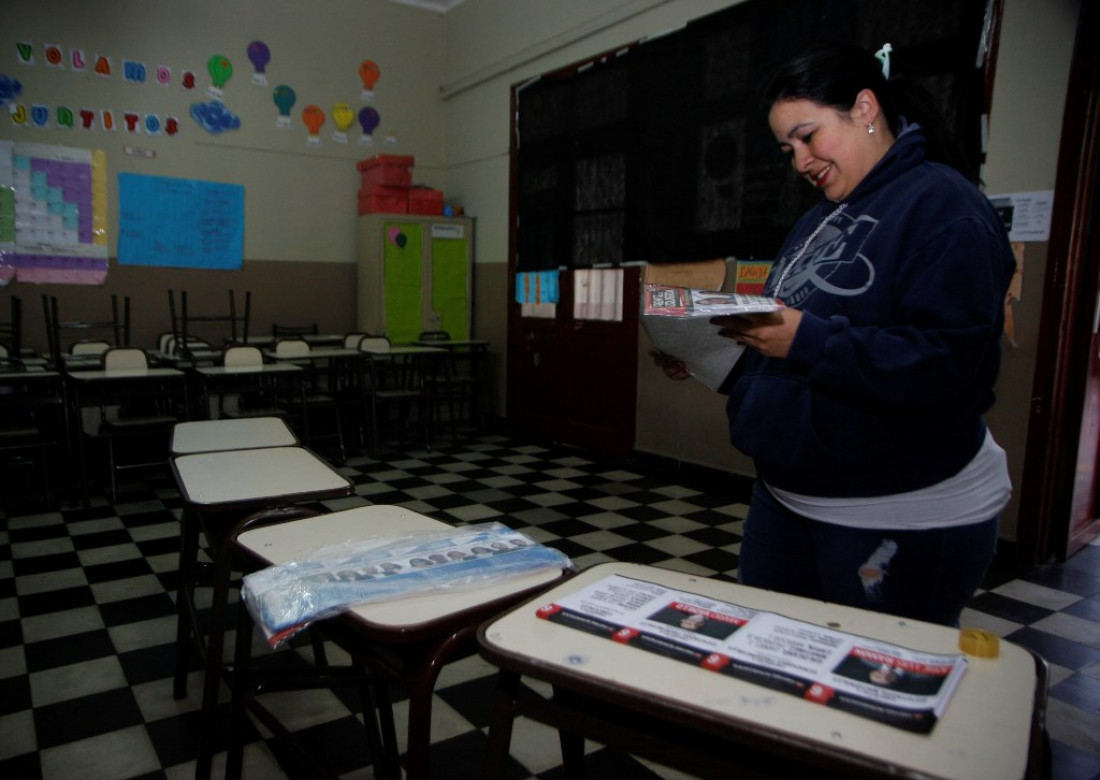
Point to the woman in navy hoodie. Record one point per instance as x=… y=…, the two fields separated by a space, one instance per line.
x=861 y=402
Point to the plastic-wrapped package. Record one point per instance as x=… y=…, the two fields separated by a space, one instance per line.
x=285 y=598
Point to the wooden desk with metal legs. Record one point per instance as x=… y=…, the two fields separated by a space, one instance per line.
x=218 y=490
x=715 y=725
x=408 y=639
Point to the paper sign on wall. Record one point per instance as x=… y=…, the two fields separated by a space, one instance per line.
x=182 y=223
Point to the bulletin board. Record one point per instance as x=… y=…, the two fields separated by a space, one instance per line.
x=180 y=223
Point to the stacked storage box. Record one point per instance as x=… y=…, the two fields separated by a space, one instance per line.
x=386 y=188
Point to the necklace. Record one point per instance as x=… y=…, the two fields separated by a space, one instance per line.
x=806 y=245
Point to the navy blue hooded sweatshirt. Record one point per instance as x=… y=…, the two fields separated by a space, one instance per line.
x=893 y=364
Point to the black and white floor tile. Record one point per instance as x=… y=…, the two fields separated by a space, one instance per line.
x=87 y=614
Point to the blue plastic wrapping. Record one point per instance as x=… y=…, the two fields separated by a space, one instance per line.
x=285 y=598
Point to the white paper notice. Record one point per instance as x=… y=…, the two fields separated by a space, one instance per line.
x=1026 y=214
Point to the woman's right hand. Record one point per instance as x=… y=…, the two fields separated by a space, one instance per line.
x=673 y=368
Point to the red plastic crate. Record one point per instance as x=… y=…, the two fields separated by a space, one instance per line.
x=382 y=199
x=424 y=200
x=394 y=170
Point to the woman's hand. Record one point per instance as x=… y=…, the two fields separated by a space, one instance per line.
x=769 y=334
x=673 y=368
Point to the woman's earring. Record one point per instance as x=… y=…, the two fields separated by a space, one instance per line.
x=870 y=129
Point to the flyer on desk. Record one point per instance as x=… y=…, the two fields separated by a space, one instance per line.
x=677 y=321
x=894 y=685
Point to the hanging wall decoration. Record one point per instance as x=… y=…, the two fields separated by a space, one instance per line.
x=221 y=70
x=313 y=118
x=368 y=120
x=284 y=98
x=342 y=117
x=369 y=73
x=214 y=117
x=259 y=55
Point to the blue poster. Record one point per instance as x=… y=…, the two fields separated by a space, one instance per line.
x=181 y=223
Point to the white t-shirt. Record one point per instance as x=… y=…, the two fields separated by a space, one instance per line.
x=977 y=493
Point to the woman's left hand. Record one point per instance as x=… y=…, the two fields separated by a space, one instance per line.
x=769 y=334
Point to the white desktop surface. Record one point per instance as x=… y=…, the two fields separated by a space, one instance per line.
x=239 y=476
x=984 y=732
x=236 y=434
x=296 y=540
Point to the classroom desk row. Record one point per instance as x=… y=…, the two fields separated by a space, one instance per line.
x=198 y=391
x=652 y=704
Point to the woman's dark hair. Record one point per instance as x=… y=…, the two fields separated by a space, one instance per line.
x=832 y=75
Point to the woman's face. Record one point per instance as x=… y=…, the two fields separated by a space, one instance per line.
x=830 y=149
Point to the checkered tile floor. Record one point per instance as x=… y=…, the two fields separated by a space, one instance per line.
x=87 y=617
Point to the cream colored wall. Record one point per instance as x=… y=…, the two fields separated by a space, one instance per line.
x=493 y=44
x=300 y=202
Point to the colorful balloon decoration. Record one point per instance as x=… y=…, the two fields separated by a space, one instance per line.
x=369 y=73
x=342 y=117
x=284 y=98
x=314 y=118
x=259 y=54
x=397 y=238
x=368 y=120
x=221 y=69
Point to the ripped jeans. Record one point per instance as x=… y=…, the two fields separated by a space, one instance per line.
x=929 y=574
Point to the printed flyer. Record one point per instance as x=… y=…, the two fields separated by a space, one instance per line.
x=894 y=685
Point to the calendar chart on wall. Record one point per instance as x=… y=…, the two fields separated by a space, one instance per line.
x=53 y=220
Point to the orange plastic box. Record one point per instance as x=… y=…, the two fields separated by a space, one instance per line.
x=382 y=199
x=424 y=200
x=394 y=170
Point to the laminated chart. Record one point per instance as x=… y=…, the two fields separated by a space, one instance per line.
x=53 y=214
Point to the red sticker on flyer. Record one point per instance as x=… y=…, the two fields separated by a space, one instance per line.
x=715 y=661
x=820 y=693
x=624 y=635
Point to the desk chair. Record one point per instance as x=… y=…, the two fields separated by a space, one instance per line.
x=32 y=422
x=396 y=393
x=218 y=490
x=11 y=330
x=115 y=330
x=297 y=350
x=140 y=418
x=256 y=396
x=456 y=389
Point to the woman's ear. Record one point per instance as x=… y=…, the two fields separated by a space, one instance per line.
x=866 y=109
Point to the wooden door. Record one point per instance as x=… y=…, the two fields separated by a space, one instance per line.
x=575 y=381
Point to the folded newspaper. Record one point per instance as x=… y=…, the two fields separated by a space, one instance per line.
x=677 y=320
x=285 y=598
x=903 y=688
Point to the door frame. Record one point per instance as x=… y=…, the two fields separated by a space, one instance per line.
x=1067 y=322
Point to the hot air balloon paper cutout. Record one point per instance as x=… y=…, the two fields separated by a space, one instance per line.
x=314 y=118
x=220 y=69
x=342 y=117
x=284 y=98
x=369 y=74
x=259 y=55
x=368 y=120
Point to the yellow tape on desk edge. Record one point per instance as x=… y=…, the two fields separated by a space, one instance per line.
x=979 y=643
